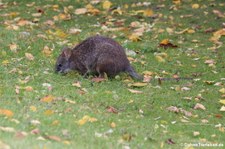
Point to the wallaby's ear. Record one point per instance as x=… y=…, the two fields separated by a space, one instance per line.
x=67 y=52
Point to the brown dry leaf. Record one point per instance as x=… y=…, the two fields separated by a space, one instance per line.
x=13 y=47
x=217 y=35
x=23 y=22
x=69 y=101
x=165 y=43
x=199 y=106
x=74 y=31
x=28 y=88
x=48 y=98
x=6 y=112
x=173 y=109
x=111 y=109
x=135 y=91
x=54 y=138
x=218 y=13
x=106 y=4
x=29 y=56
x=98 y=79
x=47 y=51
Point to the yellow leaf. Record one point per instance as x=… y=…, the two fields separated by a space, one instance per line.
x=106 y=4
x=48 y=98
x=49 y=112
x=113 y=125
x=47 y=51
x=138 y=84
x=160 y=59
x=165 y=41
x=216 y=35
x=222 y=108
x=148 y=13
x=29 y=56
x=5 y=62
x=222 y=101
x=195 y=6
x=86 y=119
x=134 y=37
x=5 y=112
x=33 y=108
x=60 y=33
x=176 y=2
x=222 y=90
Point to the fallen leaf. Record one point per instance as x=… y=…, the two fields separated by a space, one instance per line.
x=13 y=47
x=54 y=138
x=138 y=84
x=195 y=6
x=47 y=51
x=113 y=125
x=112 y=110
x=165 y=43
x=6 y=112
x=7 y=129
x=106 y=4
x=86 y=119
x=98 y=79
x=218 y=13
x=48 y=98
x=135 y=91
x=199 y=106
x=196 y=133
x=222 y=109
x=222 y=101
x=127 y=137
x=33 y=108
x=148 y=13
x=74 y=31
x=77 y=84
x=173 y=109
x=35 y=122
x=29 y=56
x=217 y=35
x=222 y=90
x=49 y=112
x=35 y=131
x=134 y=37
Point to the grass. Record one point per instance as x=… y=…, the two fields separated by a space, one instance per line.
x=143 y=120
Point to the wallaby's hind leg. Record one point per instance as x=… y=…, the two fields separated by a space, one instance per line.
x=105 y=66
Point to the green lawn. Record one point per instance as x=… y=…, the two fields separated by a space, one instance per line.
x=40 y=109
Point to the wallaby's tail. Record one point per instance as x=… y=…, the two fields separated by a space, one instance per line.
x=133 y=74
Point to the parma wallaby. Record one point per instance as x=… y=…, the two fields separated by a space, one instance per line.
x=96 y=55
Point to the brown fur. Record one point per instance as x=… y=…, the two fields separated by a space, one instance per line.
x=97 y=55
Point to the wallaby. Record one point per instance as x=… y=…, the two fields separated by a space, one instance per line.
x=98 y=55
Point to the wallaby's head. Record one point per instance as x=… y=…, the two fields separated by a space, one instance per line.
x=63 y=63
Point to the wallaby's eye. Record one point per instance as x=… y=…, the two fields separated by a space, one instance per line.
x=59 y=65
